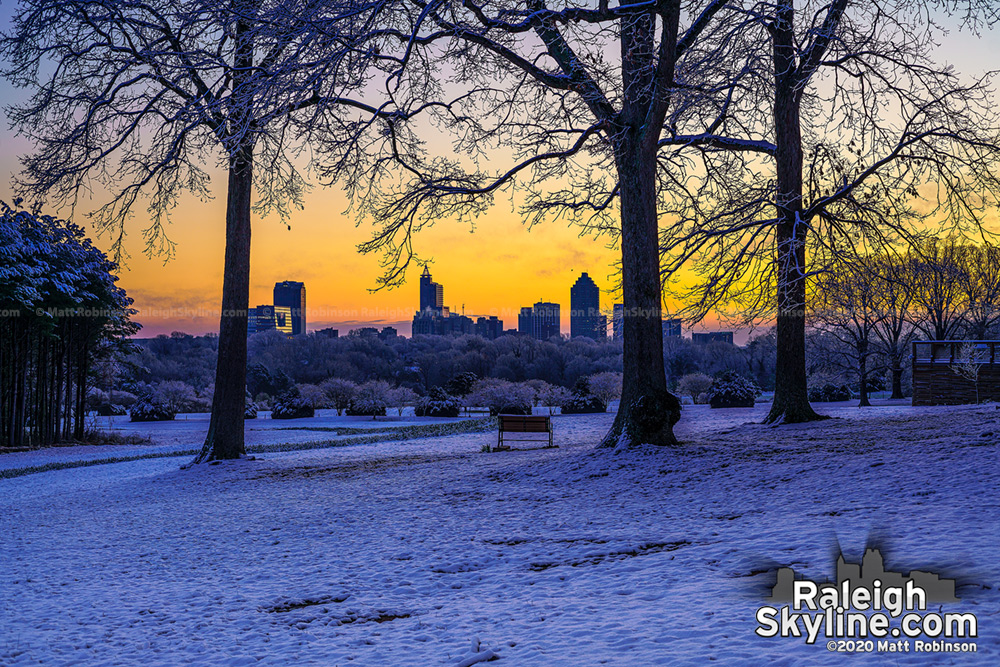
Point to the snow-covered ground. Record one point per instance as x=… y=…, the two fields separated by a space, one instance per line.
x=406 y=553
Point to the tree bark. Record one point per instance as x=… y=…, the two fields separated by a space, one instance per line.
x=863 y=384
x=225 y=428
x=646 y=411
x=791 y=396
x=897 y=380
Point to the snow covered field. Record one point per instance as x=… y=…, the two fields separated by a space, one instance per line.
x=405 y=553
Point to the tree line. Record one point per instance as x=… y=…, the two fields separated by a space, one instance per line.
x=60 y=314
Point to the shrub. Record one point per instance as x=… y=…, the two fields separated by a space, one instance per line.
x=694 y=385
x=371 y=399
x=461 y=384
x=291 y=405
x=579 y=404
x=582 y=401
x=339 y=393
x=177 y=397
x=148 y=411
x=606 y=386
x=111 y=410
x=731 y=390
x=829 y=393
x=554 y=396
x=250 y=410
x=438 y=404
x=313 y=395
x=501 y=397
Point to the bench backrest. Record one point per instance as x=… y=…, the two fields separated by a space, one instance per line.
x=524 y=423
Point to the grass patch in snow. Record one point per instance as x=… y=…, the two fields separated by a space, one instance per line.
x=402 y=433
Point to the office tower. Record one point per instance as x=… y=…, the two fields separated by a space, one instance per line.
x=292 y=295
x=713 y=337
x=618 y=321
x=489 y=328
x=524 y=321
x=545 y=320
x=672 y=328
x=268 y=318
x=431 y=294
x=585 y=309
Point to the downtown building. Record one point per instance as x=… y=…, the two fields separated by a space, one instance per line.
x=585 y=318
x=671 y=327
x=270 y=318
x=540 y=321
x=434 y=318
x=292 y=295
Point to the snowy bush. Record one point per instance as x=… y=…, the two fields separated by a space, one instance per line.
x=606 y=386
x=461 y=384
x=371 y=399
x=400 y=398
x=694 y=385
x=731 y=390
x=438 y=403
x=291 y=405
x=579 y=404
x=829 y=393
x=249 y=410
x=554 y=396
x=339 y=393
x=177 y=397
x=583 y=401
x=149 y=411
x=314 y=396
x=111 y=410
x=501 y=397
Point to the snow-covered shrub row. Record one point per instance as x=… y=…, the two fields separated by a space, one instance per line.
x=829 y=393
x=501 y=396
x=438 y=404
x=148 y=411
x=291 y=405
x=731 y=390
x=583 y=400
x=60 y=310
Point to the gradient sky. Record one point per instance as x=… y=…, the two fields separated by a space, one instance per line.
x=499 y=268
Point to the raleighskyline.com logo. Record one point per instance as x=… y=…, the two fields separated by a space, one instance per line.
x=868 y=610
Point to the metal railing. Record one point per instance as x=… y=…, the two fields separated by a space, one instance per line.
x=952 y=351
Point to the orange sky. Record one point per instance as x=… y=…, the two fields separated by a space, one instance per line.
x=496 y=270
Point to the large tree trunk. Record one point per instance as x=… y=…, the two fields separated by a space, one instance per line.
x=791 y=396
x=225 y=429
x=646 y=411
x=863 y=383
x=897 y=379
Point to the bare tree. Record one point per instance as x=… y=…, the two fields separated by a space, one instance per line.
x=142 y=99
x=893 y=328
x=846 y=304
x=575 y=98
x=936 y=275
x=854 y=119
x=980 y=284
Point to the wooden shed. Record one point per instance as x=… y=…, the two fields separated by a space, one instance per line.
x=941 y=370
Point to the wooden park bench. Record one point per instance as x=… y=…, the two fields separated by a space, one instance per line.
x=533 y=428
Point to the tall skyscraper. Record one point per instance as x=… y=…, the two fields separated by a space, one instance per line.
x=431 y=294
x=524 y=321
x=292 y=295
x=585 y=309
x=545 y=320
